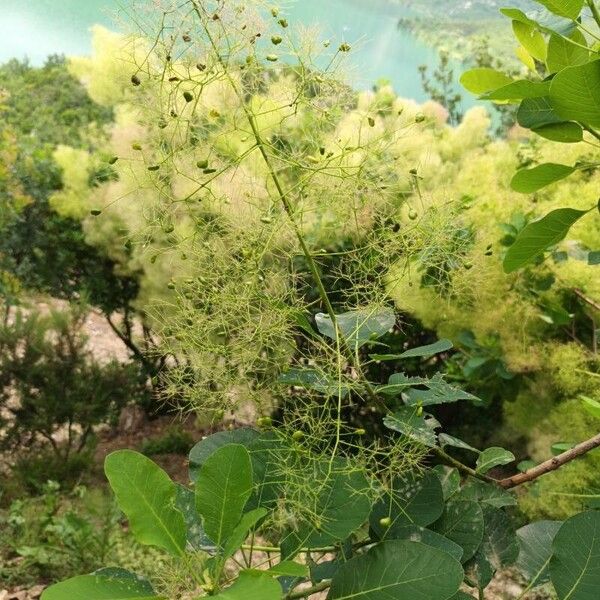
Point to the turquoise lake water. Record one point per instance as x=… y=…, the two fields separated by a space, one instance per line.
x=36 y=28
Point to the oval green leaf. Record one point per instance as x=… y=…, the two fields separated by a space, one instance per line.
x=411 y=500
x=591 y=406
x=483 y=79
x=493 y=457
x=102 y=586
x=537 y=237
x=565 y=133
x=575 y=93
x=462 y=522
x=528 y=181
x=563 y=53
x=223 y=487
x=252 y=585
x=147 y=496
x=531 y=39
x=575 y=563
x=564 y=8
x=398 y=569
x=535 y=550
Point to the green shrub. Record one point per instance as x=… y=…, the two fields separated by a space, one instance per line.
x=53 y=392
x=174 y=441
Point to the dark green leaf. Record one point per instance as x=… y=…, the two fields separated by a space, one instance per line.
x=206 y=447
x=500 y=544
x=565 y=133
x=486 y=494
x=242 y=530
x=535 y=541
x=146 y=495
x=575 y=563
x=399 y=570
x=594 y=258
x=539 y=236
x=411 y=500
x=416 y=425
x=537 y=112
x=462 y=522
x=340 y=508
x=527 y=181
x=447 y=440
x=185 y=502
x=314 y=380
x=449 y=478
x=421 y=351
x=358 y=326
x=414 y=533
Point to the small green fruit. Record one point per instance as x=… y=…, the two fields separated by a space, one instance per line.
x=188 y=96
x=345 y=47
x=276 y=40
x=153 y=168
x=113 y=160
x=412 y=214
x=283 y=23
x=360 y=431
x=95 y=212
x=297 y=436
x=385 y=522
x=135 y=80
x=371 y=121
x=202 y=164
x=419 y=118
x=272 y=57
x=264 y=421
x=136 y=147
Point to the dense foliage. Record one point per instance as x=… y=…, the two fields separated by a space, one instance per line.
x=280 y=222
x=335 y=268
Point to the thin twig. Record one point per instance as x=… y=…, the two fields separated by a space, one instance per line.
x=318 y=587
x=552 y=464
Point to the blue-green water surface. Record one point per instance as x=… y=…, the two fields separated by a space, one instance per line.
x=37 y=28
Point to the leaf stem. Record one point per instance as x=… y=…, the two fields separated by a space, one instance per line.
x=458 y=465
x=318 y=587
x=595 y=12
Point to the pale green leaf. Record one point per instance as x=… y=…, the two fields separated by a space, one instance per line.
x=519 y=90
x=565 y=8
x=591 y=406
x=528 y=181
x=483 y=79
x=399 y=570
x=147 y=496
x=563 y=53
x=531 y=39
x=540 y=235
x=120 y=585
x=575 y=93
x=223 y=487
x=252 y=585
x=242 y=530
x=415 y=533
